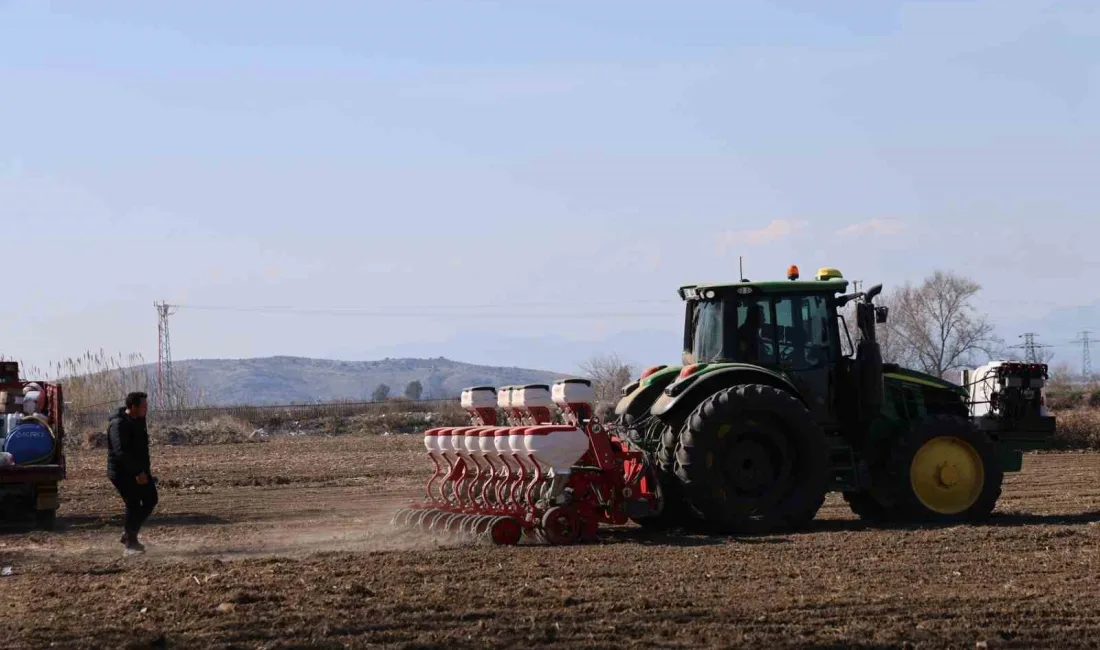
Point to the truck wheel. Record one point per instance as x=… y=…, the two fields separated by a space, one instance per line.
x=45 y=519
x=945 y=470
x=752 y=460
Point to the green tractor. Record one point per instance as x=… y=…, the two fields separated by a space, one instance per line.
x=768 y=414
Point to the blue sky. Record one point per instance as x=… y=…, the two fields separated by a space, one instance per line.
x=414 y=157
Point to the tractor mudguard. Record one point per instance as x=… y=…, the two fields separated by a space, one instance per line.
x=641 y=395
x=686 y=394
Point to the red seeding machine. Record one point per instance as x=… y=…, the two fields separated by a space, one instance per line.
x=535 y=464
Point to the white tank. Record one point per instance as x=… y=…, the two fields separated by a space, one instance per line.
x=532 y=396
x=458 y=440
x=573 y=392
x=30 y=401
x=983 y=384
x=473 y=441
x=488 y=441
x=533 y=399
x=516 y=444
x=479 y=397
x=557 y=447
x=443 y=440
x=431 y=440
x=500 y=441
x=504 y=398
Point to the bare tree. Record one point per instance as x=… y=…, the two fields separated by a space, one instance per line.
x=609 y=373
x=1061 y=377
x=934 y=327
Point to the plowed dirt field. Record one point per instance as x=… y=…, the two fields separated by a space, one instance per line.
x=286 y=544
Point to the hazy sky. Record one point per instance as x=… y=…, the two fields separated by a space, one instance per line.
x=405 y=155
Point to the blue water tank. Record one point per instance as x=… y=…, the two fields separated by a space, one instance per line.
x=30 y=443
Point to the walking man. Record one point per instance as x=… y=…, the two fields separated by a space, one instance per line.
x=128 y=466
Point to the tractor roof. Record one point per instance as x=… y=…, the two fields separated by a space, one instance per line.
x=833 y=285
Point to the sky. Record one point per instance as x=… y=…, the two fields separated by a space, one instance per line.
x=434 y=177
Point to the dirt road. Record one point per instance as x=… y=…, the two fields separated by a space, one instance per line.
x=286 y=544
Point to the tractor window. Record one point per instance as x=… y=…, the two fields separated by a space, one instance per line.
x=709 y=317
x=755 y=335
x=802 y=330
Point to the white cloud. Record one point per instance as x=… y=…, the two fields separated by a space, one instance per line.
x=777 y=229
x=884 y=227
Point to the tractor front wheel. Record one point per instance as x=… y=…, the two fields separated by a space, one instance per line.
x=751 y=459
x=945 y=470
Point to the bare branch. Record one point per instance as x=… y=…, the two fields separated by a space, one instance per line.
x=609 y=373
x=934 y=326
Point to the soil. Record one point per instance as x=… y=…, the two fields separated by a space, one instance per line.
x=286 y=544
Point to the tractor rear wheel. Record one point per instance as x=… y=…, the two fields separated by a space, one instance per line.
x=945 y=470
x=751 y=459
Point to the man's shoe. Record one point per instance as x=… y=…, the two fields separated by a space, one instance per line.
x=134 y=547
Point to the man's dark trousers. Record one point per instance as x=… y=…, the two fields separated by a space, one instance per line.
x=140 y=501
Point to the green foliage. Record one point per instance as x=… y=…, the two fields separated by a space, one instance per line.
x=414 y=389
x=381 y=394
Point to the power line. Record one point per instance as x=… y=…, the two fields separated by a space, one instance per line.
x=563 y=312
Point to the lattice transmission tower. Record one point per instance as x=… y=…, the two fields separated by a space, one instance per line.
x=1032 y=350
x=1086 y=356
x=166 y=397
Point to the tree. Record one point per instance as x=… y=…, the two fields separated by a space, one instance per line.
x=934 y=328
x=381 y=394
x=413 y=390
x=609 y=374
x=1061 y=377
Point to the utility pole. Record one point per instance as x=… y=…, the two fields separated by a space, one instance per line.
x=165 y=395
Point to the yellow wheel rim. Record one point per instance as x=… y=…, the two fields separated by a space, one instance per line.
x=947 y=475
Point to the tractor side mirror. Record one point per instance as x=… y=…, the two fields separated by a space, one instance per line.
x=881 y=314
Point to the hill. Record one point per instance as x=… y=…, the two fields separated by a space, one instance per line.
x=282 y=380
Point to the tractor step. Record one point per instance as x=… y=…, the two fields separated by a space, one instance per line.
x=843 y=467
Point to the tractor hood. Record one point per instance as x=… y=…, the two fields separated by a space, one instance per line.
x=700 y=370
x=660 y=374
x=894 y=372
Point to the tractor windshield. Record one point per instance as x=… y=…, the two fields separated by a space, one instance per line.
x=786 y=331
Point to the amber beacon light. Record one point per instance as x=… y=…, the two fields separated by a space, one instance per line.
x=792 y=272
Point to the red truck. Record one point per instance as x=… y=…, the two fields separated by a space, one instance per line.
x=31 y=488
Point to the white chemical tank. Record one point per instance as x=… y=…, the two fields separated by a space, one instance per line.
x=556 y=447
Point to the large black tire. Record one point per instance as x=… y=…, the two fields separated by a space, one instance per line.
x=752 y=460
x=972 y=501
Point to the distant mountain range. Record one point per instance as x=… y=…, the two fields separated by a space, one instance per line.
x=284 y=380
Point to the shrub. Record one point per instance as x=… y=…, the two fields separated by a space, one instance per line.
x=218 y=430
x=1078 y=429
x=1064 y=400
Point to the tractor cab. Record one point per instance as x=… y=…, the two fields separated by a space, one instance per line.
x=794 y=328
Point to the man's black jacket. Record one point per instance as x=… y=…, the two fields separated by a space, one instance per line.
x=127 y=446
